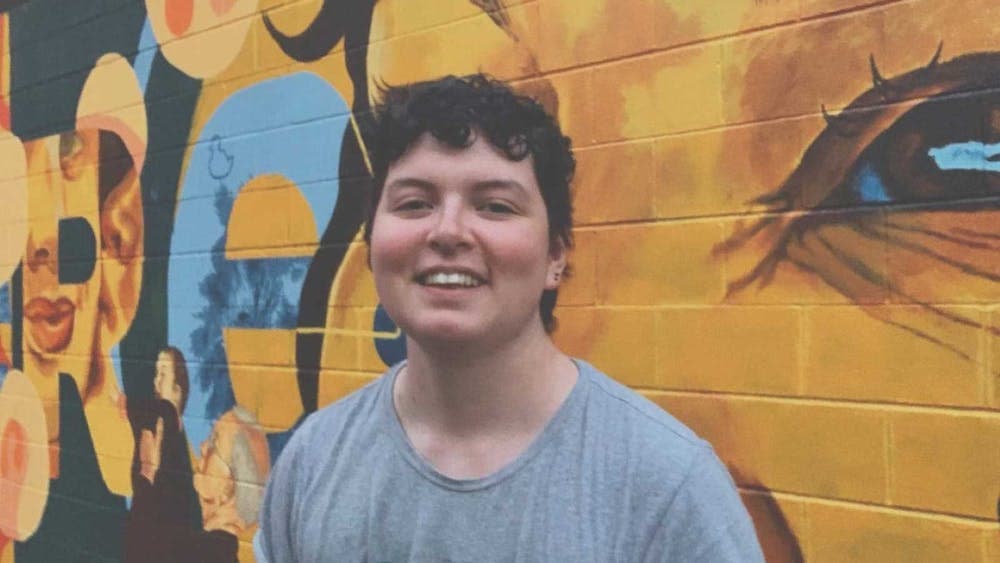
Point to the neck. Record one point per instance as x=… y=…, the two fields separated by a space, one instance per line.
x=514 y=388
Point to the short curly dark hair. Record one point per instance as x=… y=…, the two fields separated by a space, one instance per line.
x=455 y=109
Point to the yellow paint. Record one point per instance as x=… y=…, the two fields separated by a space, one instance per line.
x=341 y=347
x=289 y=230
x=211 y=43
x=646 y=268
x=335 y=385
x=804 y=448
x=864 y=354
x=581 y=287
x=14 y=214
x=292 y=19
x=692 y=351
x=394 y=18
x=662 y=94
x=613 y=340
x=277 y=397
x=459 y=47
x=966 y=461
x=112 y=100
x=870 y=535
x=614 y=183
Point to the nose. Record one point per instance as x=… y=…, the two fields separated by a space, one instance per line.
x=42 y=255
x=449 y=232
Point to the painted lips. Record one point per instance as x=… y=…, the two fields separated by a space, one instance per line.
x=51 y=322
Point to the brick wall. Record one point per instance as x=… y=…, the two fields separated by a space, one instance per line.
x=787 y=236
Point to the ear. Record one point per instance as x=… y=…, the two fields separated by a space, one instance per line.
x=122 y=232
x=557 y=264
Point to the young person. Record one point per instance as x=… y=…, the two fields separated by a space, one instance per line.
x=488 y=443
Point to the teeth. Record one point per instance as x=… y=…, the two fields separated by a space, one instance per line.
x=442 y=278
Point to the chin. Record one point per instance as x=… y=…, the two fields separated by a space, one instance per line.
x=434 y=331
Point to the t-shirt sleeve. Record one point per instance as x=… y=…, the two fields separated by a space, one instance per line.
x=706 y=520
x=273 y=540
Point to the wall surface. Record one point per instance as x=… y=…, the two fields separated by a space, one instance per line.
x=788 y=235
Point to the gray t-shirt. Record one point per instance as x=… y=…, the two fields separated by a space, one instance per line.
x=612 y=477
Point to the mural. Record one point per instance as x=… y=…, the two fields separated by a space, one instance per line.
x=934 y=153
x=811 y=184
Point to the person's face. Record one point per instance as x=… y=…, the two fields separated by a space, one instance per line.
x=164 y=382
x=460 y=246
x=60 y=318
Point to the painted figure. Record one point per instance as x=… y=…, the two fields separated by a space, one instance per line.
x=229 y=479
x=162 y=504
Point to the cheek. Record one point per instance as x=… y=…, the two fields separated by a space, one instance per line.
x=392 y=248
x=522 y=251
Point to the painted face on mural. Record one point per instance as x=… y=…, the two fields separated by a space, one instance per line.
x=165 y=382
x=60 y=319
x=81 y=266
x=213 y=476
x=229 y=476
x=460 y=245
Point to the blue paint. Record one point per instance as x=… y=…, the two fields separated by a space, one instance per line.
x=148 y=47
x=6 y=316
x=116 y=365
x=293 y=126
x=390 y=351
x=869 y=186
x=972 y=155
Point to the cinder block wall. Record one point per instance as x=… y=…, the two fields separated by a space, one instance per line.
x=788 y=235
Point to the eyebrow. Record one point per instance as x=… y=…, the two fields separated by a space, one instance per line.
x=408 y=182
x=504 y=184
x=492 y=184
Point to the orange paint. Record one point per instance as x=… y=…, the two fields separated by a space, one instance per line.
x=13 y=453
x=220 y=7
x=13 y=468
x=179 y=14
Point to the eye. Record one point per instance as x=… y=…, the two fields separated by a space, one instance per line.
x=71 y=153
x=498 y=208
x=70 y=144
x=909 y=168
x=412 y=205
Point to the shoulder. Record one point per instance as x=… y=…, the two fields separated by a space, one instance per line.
x=359 y=405
x=687 y=501
x=334 y=429
x=656 y=434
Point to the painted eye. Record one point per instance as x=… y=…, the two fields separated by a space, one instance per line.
x=71 y=154
x=911 y=167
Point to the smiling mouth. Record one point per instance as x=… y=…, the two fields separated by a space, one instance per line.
x=450 y=280
x=51 y=322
